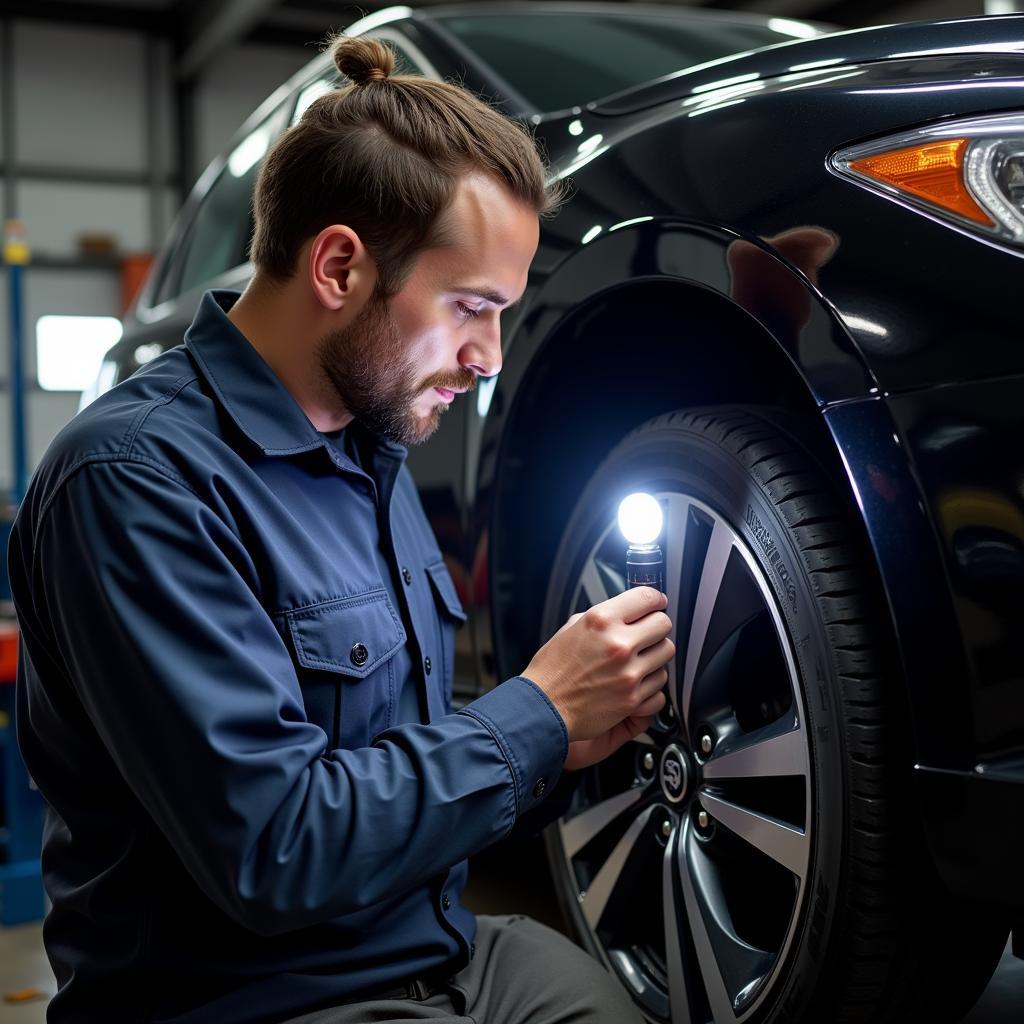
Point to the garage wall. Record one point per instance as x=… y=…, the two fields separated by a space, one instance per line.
x=80 y=162
x=94 y=151
x=231 y=89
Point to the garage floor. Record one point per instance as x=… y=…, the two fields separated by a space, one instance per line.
x=501 y=882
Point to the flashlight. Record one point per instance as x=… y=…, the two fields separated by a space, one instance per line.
x=641 y=520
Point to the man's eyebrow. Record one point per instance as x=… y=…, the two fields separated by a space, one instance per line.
x=488 y=295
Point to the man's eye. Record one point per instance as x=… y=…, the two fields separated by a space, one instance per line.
x=467 y=312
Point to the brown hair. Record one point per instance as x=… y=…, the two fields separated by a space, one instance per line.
x=384 y=156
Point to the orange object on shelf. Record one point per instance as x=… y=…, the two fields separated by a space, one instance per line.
x=8 y=652
x=134 y=270
x=24 y=995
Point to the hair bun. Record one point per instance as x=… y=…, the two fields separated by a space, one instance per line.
x=363 y=60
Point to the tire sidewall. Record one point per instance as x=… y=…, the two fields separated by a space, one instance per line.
x=676 y=457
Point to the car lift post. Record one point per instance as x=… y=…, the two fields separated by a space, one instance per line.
x=21 y=890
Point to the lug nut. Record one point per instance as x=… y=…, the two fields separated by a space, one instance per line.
x=648 y=762
x=666 y=828
x=703 y=819
x=707 y=744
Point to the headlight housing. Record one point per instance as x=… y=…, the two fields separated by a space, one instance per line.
x=969 y=172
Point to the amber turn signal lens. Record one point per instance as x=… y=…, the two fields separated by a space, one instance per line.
x=932 y=171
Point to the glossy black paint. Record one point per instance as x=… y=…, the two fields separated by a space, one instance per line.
x=899 y=354
x=914 y=40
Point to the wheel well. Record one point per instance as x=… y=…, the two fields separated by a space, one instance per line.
x=629 y=355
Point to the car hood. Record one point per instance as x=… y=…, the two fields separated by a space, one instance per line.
x=1003 y=35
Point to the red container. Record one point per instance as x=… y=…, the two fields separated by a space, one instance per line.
x=8 y=652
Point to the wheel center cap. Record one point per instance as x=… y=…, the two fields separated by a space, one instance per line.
x=674 y=773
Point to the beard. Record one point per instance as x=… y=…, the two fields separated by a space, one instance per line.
x=367 y=367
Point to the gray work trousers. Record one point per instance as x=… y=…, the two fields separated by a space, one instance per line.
x=523 y=973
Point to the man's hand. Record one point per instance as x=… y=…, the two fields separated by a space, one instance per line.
x=584 y=753
x=604 y=671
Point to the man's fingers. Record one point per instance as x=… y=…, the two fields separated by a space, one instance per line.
x=651 y=630
x=634 y=604
x=650 y=685
x=656 y=656
x=651 y=706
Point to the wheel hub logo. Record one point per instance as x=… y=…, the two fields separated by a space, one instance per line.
x=674 y=773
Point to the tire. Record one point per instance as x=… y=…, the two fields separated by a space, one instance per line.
x=754 y=856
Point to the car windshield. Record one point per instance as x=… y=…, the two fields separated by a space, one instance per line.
x=557 y=60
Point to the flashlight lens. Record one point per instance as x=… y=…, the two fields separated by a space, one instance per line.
x=640 y=518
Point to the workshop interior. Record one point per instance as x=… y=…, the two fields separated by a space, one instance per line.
x=768 y=361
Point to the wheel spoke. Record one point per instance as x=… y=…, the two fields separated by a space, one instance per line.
x=676 y=522
x=776 y=751
x=595 y=899
x=594 y=587
x=719 y=548
x=719 y=671
x=578 y=831
x=782 y=842
x=678 y=989
x=729 y=966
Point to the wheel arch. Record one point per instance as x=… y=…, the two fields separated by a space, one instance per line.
x=566 y=401
x=537 y=420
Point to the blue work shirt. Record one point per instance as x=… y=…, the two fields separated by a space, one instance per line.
x=243 y=825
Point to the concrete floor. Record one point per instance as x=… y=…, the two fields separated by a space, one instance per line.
x=500 y=883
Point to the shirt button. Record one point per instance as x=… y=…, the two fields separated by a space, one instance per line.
x=359 y=655
x=538 y=789
x=407 y=576
x=446 y=903
x=426 y=665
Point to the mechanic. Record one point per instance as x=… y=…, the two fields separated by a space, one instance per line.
x=237 y=628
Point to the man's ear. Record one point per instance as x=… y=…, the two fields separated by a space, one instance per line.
x=341 y=272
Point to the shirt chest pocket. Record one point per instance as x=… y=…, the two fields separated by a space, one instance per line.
x=344 y=651
x=451 y=616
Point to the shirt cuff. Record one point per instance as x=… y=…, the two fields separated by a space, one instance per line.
x=531 y=735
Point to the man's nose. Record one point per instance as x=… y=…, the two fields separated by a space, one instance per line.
x=483 y=352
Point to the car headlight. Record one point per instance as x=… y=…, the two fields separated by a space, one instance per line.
x=969 y=172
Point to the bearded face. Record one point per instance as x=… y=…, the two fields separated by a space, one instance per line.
x=370 y=369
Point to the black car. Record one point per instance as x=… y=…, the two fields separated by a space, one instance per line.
x=782 y=301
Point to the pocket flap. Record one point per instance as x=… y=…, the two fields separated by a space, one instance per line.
x=444 y=587
x=353 y=635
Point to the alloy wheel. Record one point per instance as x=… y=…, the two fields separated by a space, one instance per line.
x=689 y=849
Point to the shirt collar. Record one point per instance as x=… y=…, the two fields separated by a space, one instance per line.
x=251 y=393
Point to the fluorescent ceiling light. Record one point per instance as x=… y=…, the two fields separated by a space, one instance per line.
x=319 y=88
x=376 y=19
x=788 y=27
x=249 y=153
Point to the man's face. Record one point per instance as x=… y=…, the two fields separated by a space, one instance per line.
x=390 y=366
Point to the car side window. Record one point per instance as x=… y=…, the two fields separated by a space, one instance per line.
x=218 y=236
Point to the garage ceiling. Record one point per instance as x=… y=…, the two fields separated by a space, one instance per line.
x=201 y=28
